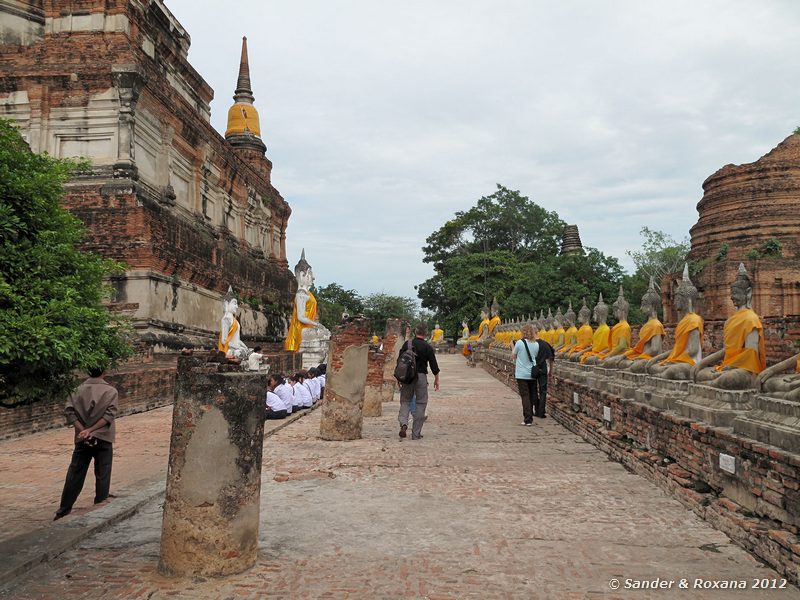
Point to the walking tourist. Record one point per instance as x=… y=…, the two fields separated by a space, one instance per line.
x=545 y=355
x=524 y=357
x=92 y=411
x=425 y=356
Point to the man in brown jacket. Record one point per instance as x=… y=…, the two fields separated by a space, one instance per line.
x=91 y=410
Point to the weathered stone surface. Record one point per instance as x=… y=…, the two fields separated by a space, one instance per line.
x=342 y=411
x=373 y=391
x=211 y=510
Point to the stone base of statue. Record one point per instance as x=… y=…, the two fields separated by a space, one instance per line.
x=315 y=346
x=773 y=421
x=663 y=393
x=714 y=406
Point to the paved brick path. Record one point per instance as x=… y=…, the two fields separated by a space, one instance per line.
x=480 y=508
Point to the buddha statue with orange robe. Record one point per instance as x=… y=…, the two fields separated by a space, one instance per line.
x=570 y=333
x=601 y=337
x=304 y=310
x=230 y=341
x=744 y=355
x=495 y=320
x=558 y=330
x=437 y=335
x=677 y=364
x=651 y=334
x=585 y=333
x=619 y=338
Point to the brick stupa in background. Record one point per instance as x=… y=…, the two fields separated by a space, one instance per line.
x=571 y=241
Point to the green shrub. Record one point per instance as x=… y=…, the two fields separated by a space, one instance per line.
x=723 y=251
x=772 y=247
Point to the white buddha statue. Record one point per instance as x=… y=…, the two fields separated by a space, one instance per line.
x=230 y=342
x=306 y=333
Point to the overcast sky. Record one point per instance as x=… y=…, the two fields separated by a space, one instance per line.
x=383 y=119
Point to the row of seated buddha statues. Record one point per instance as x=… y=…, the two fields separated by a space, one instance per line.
x=739 y=365
x=486 y=329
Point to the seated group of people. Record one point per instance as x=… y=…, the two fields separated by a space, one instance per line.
x=299 y=392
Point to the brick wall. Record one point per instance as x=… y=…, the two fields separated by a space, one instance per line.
x=758 y=507
x=140 y=389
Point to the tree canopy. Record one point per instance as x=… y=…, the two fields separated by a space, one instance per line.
x=507 y=247
x=51 y=311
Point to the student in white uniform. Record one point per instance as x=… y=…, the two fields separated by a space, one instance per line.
x=276 y=409
x=283 y=390
x=302 y=397
x=313 y=384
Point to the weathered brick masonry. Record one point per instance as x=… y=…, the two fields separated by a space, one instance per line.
x=758 y=507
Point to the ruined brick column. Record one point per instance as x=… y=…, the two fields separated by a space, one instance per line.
x=373 y=393
x=394 y=332
x=347 y=376
x=211 y=510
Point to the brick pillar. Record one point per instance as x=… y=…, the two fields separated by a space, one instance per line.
x=391 y=349
x=373 y=393
x=347 y=376
x=211 y=510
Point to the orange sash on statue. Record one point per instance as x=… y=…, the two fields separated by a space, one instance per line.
x=223 y=346
x=483 y=328
x=557 y=336
x=648 y=331
x=797 y=368
x=295 y=335
x=569 y=338
x=494 y=322
x=687 y=325
x=736 y=355
x=600 y=340
x=620 y=331
x=585 y=334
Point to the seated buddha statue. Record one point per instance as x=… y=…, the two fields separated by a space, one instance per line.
x=600 y=338
x=437 y=335
x=571 y=332
x=619 y=338
x=651 y=334
x=585 y=334
x=483 y=328
x=230 y=342
x=549 y=327
x=677 y=364
x=558 y=330
x=304 y=310
x=744 y=355
x=495 y=320
x=781 y=380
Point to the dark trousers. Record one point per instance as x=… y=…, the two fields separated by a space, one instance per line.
x=82 y=455
x=527 y=391
x=540 y=395
x=276 y=414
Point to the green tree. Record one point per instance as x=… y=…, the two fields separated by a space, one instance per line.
x=380 y=307
x=660 y=255
x=333 y=300
x=51 y=311
x=508 y=247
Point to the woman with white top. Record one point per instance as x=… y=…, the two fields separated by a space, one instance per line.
x=276 y=409
x=283 y=390
x=524 y=357
x=302 y=397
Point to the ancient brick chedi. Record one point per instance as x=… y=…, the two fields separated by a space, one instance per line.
x=751 y=213
x=188 y=211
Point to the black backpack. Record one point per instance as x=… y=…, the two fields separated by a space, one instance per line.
x=406 y=369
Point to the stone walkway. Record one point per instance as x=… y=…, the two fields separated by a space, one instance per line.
x=479 y=508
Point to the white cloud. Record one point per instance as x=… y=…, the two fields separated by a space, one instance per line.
x=383 y=119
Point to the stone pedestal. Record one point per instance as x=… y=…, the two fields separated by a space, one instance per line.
x=347 y=376
x=211 y=510
x=315 y=346
x=373 y=391
x=663 y=393
x=773 y=421
x=391 y=348
x=714 y=406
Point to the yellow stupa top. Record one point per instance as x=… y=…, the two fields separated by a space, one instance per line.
x=243 y=116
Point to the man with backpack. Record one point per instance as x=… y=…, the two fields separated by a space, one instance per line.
x=412 y=375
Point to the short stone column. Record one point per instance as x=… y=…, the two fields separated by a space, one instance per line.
x=346 y=379
x=211 y=510
x=373 y=392
x=394 y=332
